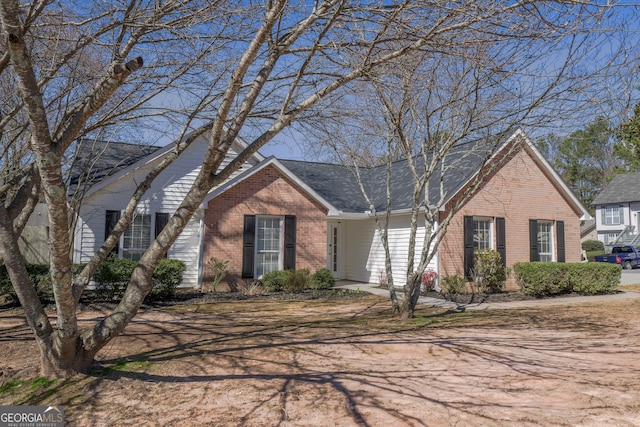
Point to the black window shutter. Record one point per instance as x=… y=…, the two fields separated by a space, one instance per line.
x=248 y=243
x=534 y=255
x=468 y=246
x=162 y=219
x=501 y=243
x=560 y=240
x=112 y=218
x=289 y=261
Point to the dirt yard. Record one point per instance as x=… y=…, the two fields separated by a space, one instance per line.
x=347 y=363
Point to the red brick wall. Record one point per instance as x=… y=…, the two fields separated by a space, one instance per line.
x=266 y=193
x=519 y=191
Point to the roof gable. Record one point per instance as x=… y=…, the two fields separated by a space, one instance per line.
x=131 y=163
x=623 y=188
x=338 y=184
x=278 y=164
x=95 y=160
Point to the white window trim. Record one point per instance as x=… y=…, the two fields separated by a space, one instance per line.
x=280 y=243
x=490 y=222
x=612 y=215
x=551 y=232
x=122 y=238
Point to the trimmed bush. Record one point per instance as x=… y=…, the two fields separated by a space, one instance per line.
x=166 y=278
x=39 y=277
x=322 y=279
x=112 y=278
x=592 y=254
x=273 y=281
x=592 y=246
x=297 y=280
x=540 y=279
x=593 y=279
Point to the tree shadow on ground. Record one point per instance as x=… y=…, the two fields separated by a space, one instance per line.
x=355 y=361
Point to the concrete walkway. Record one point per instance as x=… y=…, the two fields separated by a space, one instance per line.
x=436 y=302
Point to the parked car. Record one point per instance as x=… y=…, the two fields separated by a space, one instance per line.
x=627 y=256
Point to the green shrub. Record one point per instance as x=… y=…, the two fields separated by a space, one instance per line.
x=112 y=277
x=297 y=280
x=593 y=279
x=452 y=285
x=541 y=279
x=273 y=281
x=40 y=278
x=593 y=246
x=6 y=288
x=488 y=271
x=322 y=279
x=166 y=278
x=591 y=254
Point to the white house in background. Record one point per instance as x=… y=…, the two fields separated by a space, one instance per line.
x=617 y=210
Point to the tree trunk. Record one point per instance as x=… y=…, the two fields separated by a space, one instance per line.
x=412 y=293
x=64 y=361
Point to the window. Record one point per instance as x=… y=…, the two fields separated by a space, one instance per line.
x=268 y=244
x=612 y=215
x=545 y=241
x=482 y=239
x=482 y=233
x=610 y=238
x=137 y=238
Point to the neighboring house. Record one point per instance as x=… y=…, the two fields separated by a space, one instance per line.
x=588 y=230
x=617 y=210
x=281 y=214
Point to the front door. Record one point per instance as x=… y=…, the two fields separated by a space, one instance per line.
x=334 y=250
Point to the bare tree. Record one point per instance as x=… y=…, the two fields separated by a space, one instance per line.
x=526 y=66
x=257 y=65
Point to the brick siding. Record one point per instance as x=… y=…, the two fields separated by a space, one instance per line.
x=267 y=192
x=518 y=191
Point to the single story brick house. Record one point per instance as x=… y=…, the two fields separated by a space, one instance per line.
x=282 y=214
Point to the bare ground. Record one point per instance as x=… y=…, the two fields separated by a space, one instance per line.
x=347 y=363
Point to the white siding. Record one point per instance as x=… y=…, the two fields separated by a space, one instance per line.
x=165 y=195
x=365 y=254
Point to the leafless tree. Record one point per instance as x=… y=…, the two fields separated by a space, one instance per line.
x=527 y=66
x=259 y=65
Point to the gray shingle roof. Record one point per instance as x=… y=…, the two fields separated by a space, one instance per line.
x=95 y=160
x=338 y=184
x=622 y=188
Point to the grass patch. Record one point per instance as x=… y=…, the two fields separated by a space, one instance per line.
x=634 y=287
x=123 y=366
x=34 y=391
x=11 y=385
